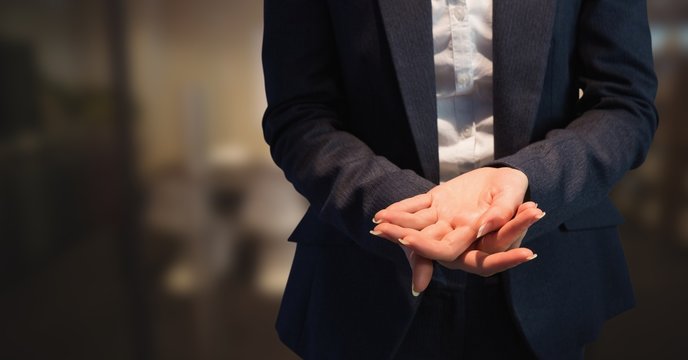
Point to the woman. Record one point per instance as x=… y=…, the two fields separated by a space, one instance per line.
x=445 y=122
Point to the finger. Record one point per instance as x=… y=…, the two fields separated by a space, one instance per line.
x=437 y=230
x=513 y=231
x=525 y=206
x=502 y=208
x=418 y=220
x=422 y=274
x=393 y=232
x=493 y=218
x=487 y=230
x=412 y=204
x=459 y=240
x=484 y=264
x=519 y=239
x=447 y=249
x=421 y=270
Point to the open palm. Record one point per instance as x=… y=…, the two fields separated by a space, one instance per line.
x=443 y=224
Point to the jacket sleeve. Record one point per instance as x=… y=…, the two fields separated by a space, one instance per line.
x=305 y=126
x=575 y=167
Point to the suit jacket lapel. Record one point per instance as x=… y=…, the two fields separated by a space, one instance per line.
x=408 y=25
x=522 y=33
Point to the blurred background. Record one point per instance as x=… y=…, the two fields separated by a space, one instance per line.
x=142 y=218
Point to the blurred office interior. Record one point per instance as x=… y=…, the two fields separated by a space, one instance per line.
x=142 y=218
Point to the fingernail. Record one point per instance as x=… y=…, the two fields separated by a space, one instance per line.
x=403 y=242
x=413 y=291
x=531 y=257
x=376 y=221
x=541 y=215
x=481 y=231
x=376 y=233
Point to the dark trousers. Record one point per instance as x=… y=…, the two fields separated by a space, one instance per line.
x=464 y=317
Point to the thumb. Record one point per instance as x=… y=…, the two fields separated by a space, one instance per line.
x=509 y=188
x=422 y=269
x=501 y=210
x=512 y=233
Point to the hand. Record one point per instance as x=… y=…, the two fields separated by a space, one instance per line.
x=444 y=223
x=477 y=259
x=512 y=233
x=455 y=212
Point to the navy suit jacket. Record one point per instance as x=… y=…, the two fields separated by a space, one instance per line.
x=352 y=121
